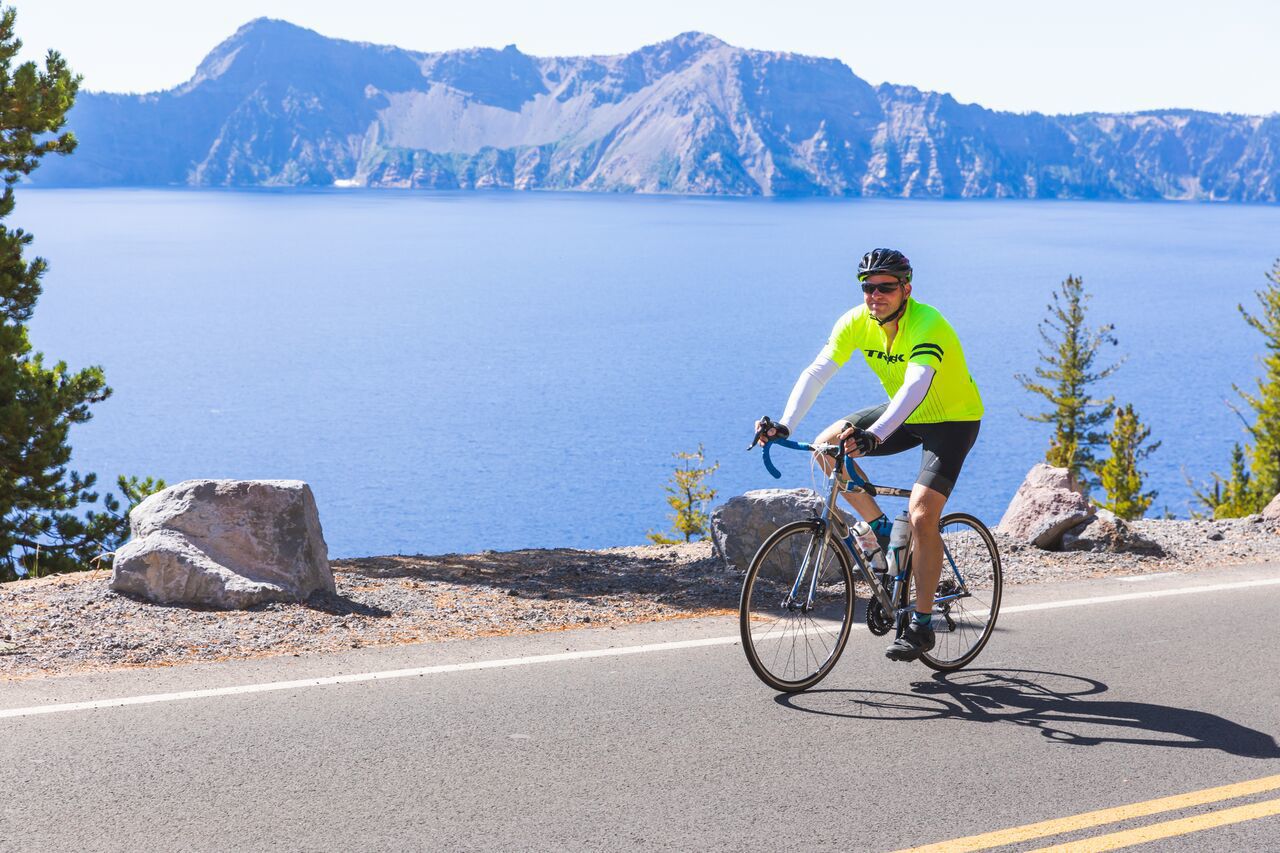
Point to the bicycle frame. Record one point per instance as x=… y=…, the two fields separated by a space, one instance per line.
x=830 y=516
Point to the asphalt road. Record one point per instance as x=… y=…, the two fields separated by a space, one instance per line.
x=1067 y=711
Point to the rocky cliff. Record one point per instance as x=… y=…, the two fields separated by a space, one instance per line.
x=278 y=105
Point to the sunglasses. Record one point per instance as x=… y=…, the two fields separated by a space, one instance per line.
x=881 y=288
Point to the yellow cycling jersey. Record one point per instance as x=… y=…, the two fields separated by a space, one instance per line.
x=924 y=337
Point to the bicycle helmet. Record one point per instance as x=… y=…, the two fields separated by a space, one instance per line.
x=886 y=262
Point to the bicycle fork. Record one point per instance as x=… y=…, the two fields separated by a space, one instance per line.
x=810 y=560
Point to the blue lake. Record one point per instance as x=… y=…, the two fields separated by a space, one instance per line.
x=455 y=372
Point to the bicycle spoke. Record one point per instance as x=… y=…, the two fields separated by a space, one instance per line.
x=793 y=645
x=970 y=564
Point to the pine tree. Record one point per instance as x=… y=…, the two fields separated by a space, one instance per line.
x=1232 y=496
x=688 y=495
x=1119 y=475
x=39 y=530
x=1066 y=377
x=1264 y=453
x=1255 y=469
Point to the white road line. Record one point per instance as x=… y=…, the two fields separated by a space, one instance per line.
x=363 y=676
x=1134 y=596
x=555 y=658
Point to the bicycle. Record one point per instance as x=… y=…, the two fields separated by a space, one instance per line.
x=796 y=611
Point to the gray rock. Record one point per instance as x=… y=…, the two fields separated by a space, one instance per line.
x=225 y=543
x=1215 y=535
x=1107 y=532
x=742 y=523
x=1046 y=505
x=1272 y=510
x=1044 y=476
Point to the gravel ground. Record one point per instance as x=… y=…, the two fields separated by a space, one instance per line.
x=75 y=623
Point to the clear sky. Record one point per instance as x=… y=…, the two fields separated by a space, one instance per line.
x=1105 y=55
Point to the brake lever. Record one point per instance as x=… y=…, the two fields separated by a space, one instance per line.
x=766 y=425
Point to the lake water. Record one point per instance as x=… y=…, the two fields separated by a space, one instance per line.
x=455 y=371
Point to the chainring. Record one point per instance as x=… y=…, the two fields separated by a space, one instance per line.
x=878 y=622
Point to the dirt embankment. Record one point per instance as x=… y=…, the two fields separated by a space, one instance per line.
x=75 y=623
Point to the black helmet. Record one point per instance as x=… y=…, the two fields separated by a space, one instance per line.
x=886 y=262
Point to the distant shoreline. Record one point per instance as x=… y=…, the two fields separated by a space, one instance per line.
x=509 y=192
x=276 y=104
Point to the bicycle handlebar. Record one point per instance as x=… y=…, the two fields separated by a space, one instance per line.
x=840 y=455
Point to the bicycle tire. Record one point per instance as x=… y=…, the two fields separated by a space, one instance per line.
x=964 y=626
x=772 y=632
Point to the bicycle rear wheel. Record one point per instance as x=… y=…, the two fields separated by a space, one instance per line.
x=968 y=597
x=792 y=643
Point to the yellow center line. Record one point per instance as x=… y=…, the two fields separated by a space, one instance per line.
x=1167 y=829
x=1086 y=820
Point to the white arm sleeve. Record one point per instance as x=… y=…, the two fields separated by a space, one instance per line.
x=806 y=390
x=914 y=386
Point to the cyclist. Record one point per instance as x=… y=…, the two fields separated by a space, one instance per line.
x=933 y=403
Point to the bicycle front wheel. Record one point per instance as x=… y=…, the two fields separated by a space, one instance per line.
x=793 y=626
x=968 y=597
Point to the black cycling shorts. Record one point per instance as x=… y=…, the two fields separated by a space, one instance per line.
x=945 y=445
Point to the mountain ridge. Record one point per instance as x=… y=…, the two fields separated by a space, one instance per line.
x=276 y=104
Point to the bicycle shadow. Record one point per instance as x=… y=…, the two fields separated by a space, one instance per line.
x=1049 y=702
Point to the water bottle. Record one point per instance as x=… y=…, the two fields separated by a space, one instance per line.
x=899 y=541
x=869 y=545
x=858 y=534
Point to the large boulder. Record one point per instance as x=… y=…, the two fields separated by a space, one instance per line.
x=1108 y=532
x=228 y=544
x=1271 y=512
x=1047 y=504
x=739 y=525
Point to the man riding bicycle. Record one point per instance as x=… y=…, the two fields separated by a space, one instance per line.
x=934 y=403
